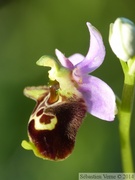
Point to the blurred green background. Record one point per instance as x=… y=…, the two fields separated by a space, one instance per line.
x=28 y=30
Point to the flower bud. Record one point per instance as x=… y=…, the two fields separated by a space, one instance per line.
x=122 y=38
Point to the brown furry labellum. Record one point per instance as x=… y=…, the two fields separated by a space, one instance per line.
x=54 y=123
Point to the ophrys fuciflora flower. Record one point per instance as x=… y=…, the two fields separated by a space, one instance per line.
x=62 y=106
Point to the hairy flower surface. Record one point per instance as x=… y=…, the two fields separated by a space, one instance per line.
x=62 y=105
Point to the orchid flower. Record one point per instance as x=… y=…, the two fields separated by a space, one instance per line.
x=61 y=106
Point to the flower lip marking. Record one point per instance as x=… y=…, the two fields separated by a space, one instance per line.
x=40 y=112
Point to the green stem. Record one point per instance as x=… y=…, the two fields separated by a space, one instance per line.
x=125 y=113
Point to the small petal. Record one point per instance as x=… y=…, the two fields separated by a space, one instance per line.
x=63 y=60
x=99 y=98
x=49 y=62
x=96 y=52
